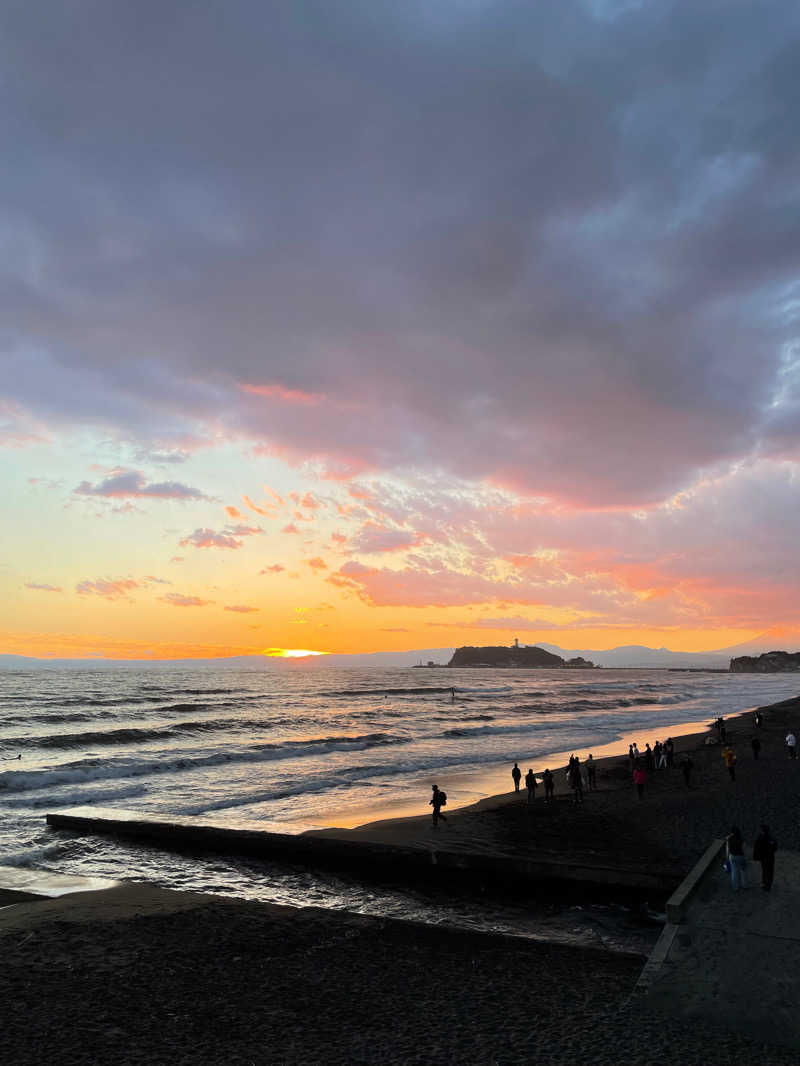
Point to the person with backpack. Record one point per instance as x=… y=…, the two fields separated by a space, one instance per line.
x=530 y=784
x=764 y=848
x=437 y=801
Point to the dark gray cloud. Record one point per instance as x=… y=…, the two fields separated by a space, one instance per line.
x=555 y=244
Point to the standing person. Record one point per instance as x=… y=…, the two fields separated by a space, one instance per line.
x=452 y=695
x=631 y=756
x=635 y=751
x=729 y=755
x=516 y=773
x=764 y=848
x=670 y=747
x=648 y=758
x=736 y=857
x=758 y=719
x=530 y=784
x=791 y=744
x=755 y=744
x=686 y=767
x=549 y=786
x=576 y=781
x=661 y=759
x=639 y=780
x=437 y=801
x=591 y=773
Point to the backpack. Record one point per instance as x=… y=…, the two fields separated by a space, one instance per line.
x=442 y=798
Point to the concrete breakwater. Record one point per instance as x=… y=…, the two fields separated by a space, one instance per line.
x=483 y=870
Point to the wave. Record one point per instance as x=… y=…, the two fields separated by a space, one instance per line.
x=97 y=770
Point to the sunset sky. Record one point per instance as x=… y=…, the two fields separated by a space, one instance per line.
x=371 y=325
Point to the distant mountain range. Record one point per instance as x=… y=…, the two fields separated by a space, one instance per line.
x=631 y=656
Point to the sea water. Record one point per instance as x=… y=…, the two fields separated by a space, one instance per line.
x=290 y=748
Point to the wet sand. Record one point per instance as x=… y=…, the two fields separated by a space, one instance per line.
x=135 y=974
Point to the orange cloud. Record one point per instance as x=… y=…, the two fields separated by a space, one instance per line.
x=234 y=512
x=241 y=609
x=317 y=564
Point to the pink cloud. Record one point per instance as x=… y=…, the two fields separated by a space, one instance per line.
x=176 y=599
x=230 y=537
x=240 y=609
x=291 y=528
x=39 y=587
x=121 y=484
x=317 y=564
x=207 y=538
x=276 y=568
x=107 y=588
x=374 y=537
x=286 y=395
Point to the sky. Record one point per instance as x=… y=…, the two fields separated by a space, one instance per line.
x=359 y=326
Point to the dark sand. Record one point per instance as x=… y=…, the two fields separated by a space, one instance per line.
x=136 y=975
x=668 y=830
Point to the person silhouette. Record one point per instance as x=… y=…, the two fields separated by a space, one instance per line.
x=530 y=784
x=437 y=801
x=516 y=773
x=549 y=786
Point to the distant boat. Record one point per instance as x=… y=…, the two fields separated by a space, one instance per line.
x=425 y=666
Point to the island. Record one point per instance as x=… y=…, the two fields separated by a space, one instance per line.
x=530 y=657
x=770 y=662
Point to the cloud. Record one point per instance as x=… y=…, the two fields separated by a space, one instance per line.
x=551 y=265
x=233 y=512
x=176 y=599
x=108 y=588
x=275 y=568
x=242 y=609
x=291 y=528
x=317 y=564
x=377 y=538
x=122 y=484
x=39 y=587
x=207 y=538
x=230 y=537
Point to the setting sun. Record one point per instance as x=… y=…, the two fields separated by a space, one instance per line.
x=290 y=653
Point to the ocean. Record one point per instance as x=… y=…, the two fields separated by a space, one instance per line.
x=291 y=748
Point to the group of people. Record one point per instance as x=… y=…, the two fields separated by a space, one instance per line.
x=575 y=779
x=764 y=848
x=661 y=756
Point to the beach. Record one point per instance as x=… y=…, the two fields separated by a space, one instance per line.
x=138 y=974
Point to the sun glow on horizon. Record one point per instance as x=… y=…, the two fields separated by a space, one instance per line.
x=290 y=653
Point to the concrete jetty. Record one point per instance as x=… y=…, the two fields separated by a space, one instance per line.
x=411 y=862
